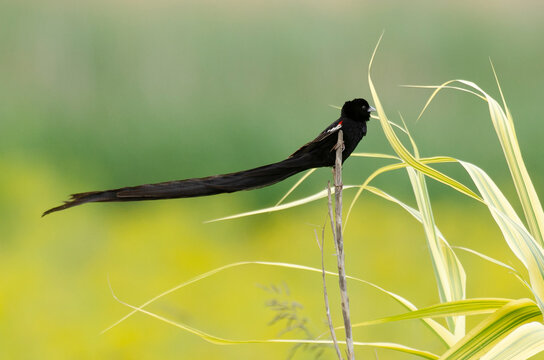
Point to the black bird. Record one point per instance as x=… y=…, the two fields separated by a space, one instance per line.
x=319 y=152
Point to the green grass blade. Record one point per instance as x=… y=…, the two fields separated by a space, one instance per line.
x=487 y=258
x=320 y=195
x=491 y=330
x=518 y=238
x=449 y=273
x=391 y=167
x=524 y=186
x=443 y=333
x=462 y=307
x=224 y=341
x=448 y=270
x=300 y=181
x=399 y=148
x=437 y=89
x=504 y=126
x=417 y=215
x=375 y=155
x=520 y=344
x=520 y=241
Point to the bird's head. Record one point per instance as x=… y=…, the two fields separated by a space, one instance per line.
x=357 y=109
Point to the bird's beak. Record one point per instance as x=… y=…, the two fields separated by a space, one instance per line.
x=371 y=109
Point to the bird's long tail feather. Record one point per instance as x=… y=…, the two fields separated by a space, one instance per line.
x=211 y=185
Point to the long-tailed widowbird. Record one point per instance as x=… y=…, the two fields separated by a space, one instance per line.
x=317 y=153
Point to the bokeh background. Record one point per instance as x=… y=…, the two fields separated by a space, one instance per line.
x=102 y=94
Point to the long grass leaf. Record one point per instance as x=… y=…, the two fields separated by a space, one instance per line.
x=224 y=341
x=520 y=241
x=320 y=195
x=526 y=190
x=443 y=333
x=462 y=307
x=399 y=148
x=487 y=258
x=522 y=343
x=300 y=181
x=449 y=273
x=504 y=126
x=440 y=87
x=491 y=330
x=391 y=167
x=375 y=155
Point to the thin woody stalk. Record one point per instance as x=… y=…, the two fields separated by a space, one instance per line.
x=326 y=297
x=340 y=244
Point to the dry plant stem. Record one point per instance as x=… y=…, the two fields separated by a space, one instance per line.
x=327 y=307
x=340 y=244
x=331 y=216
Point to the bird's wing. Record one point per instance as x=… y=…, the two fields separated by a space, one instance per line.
x=329 y=134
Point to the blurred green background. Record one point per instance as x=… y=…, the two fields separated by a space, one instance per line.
x=104 y=94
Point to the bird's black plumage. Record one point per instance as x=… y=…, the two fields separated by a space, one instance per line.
x=317 y=153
